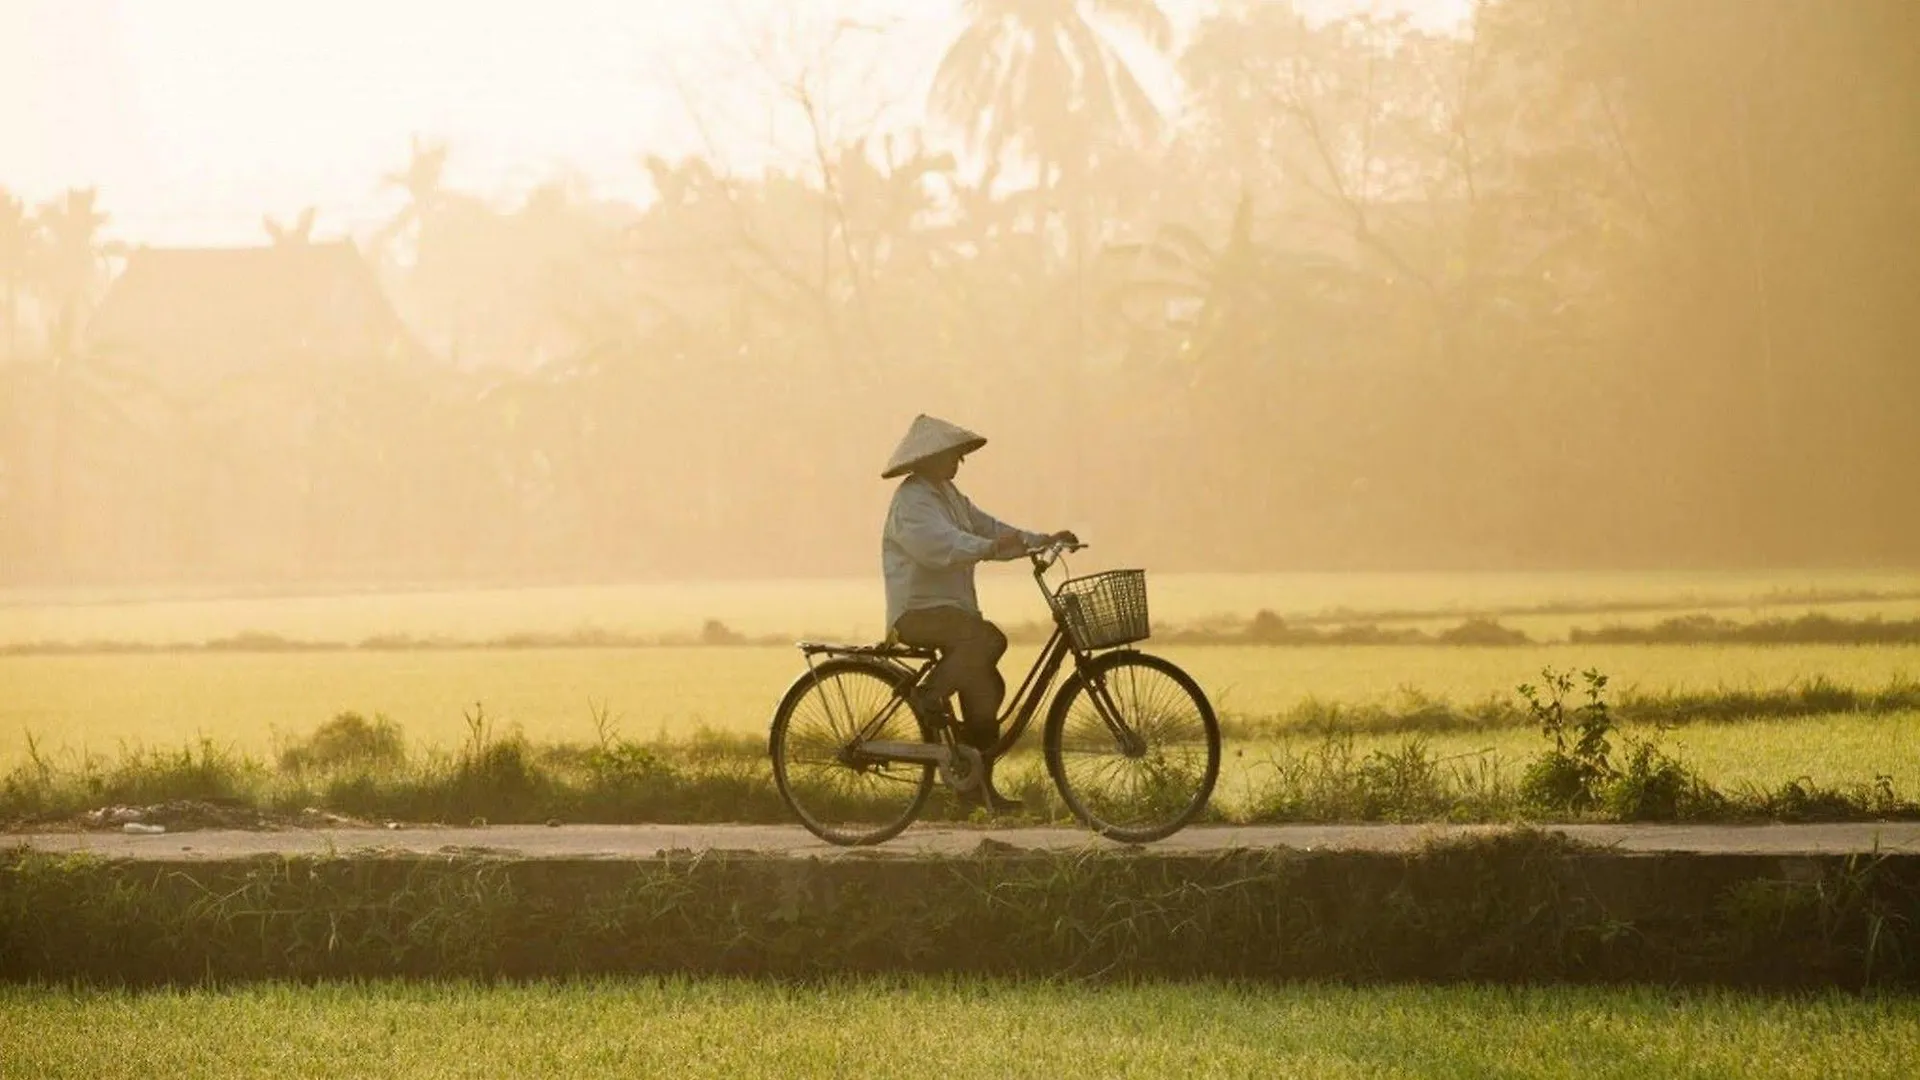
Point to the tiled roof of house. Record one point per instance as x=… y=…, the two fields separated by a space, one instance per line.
x=235 y=307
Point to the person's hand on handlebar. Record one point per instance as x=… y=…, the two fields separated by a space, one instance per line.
x=1012 y=545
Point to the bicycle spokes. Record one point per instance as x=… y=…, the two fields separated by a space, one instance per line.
x=1126 y=739
x=1136 y=748
x=825 y=729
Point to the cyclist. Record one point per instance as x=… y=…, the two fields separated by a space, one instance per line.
x=932 y=539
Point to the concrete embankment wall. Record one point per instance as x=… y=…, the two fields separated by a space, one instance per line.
x=1516 y=907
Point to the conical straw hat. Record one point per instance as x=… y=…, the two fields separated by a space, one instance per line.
x=929 y=435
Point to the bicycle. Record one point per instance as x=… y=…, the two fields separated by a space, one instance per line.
x=1131 y=742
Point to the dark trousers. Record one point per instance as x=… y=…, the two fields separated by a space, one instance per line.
x=970 y=648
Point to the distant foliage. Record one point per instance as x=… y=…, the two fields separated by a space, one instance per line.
x=1811 y=629
x=1267 y=628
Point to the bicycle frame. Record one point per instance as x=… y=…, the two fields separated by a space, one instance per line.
x=1024 y=703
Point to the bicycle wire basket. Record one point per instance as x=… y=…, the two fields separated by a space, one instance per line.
x=1103 y=610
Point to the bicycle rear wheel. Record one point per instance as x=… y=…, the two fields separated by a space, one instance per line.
x=1133 y=746
x=839 y=795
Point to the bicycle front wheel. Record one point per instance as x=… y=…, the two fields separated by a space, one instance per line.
x=839 y=795
x=1133 y=746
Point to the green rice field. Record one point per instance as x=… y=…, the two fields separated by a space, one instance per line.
x=1829 y=750
x=252 y=702
x=103 y=702
x=693 y=1028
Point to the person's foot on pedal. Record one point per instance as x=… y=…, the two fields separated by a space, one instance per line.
x=931 y=708
x=989 y=796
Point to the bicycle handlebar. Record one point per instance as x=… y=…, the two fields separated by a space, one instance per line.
x=1049 y=553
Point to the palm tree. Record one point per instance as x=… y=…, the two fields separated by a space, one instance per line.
x=1234 y=305
x=423 y=181
x=73 y=253
x=1191 y=284
x=1039 y=79
x=879 y=198
x=19 y=235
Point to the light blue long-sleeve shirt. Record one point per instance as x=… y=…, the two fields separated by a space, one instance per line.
x=933 y=538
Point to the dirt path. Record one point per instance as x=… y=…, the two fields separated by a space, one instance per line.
x=646 y=841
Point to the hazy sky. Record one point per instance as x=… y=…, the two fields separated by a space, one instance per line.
x=196 y=117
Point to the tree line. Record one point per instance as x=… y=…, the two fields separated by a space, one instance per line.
x=1592 y=283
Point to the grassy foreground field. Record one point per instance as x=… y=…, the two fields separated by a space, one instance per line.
x=722 y=1028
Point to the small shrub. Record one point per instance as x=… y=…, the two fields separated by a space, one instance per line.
x=348 y=739
x=1579 y=773
x=1656 y=786
x=1569 y=776
x=618 y=762
x=1555 y=782
x=628 y=763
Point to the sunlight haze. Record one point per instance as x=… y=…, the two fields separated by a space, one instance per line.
x=200 y=116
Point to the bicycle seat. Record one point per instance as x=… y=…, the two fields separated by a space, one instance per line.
x=882 y=649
